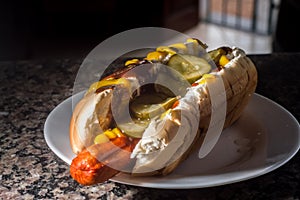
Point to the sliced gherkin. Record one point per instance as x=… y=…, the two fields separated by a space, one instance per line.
x=144 y=109
x=191 y=67
x=134 y=128
x=149 y=106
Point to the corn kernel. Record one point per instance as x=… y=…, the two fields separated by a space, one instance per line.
x=223 y=60
x=118 y=132
x=101 y=138
x=110 y=134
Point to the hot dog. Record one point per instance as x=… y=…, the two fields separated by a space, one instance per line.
x=164 y=125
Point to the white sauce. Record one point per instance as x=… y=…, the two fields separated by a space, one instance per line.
x=152 y=152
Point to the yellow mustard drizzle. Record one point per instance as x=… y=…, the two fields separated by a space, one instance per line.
x=107 y=82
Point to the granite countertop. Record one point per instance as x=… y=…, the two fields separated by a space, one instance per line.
x=30 y=90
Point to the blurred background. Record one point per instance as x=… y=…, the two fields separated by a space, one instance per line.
x=39 y=29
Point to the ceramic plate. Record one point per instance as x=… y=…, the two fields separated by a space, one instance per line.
x=263 y=139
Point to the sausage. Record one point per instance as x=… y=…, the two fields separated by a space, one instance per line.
x=100 y=162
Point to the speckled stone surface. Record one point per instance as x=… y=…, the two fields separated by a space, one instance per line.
x=29 y=91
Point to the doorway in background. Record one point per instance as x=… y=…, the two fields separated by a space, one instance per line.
x=257 y=16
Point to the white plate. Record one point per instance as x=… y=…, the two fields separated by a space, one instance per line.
x=263 y=139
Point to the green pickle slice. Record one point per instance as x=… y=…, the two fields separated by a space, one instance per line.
x=191 y=67
x=143 y=109
x=149 y=106
x=134 y=128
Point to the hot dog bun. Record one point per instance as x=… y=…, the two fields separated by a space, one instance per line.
x=180 y=131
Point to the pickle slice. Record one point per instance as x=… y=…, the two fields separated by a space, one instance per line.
x=148 y=106
x=144 y=108
x=191 y=67
x=134 y=128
